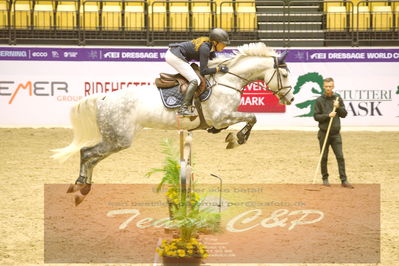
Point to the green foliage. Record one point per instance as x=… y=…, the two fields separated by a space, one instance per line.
x=171 y=168
x=185 y=213
x=194 y=219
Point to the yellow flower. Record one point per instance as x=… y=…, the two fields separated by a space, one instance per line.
x=159 y=251
x=201 y=251
x=181 y=253
x=189 y=246
x=205 y=256
x=176 y=201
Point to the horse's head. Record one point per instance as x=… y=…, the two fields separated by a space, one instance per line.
x=277 y=79
x=256 y=61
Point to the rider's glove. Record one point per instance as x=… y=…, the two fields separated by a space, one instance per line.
x=224 y=69
x=212 y=55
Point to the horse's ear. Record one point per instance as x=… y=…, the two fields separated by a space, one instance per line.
x=282 y=56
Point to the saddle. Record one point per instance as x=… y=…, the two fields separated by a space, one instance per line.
x=173 y=86
x=166 y=81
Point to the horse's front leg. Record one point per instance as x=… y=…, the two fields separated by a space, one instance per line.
x=243 y=134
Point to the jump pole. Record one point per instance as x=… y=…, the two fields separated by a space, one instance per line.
x=185 y=175
x=324 y=143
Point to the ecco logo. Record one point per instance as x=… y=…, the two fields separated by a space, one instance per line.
x=39 y=54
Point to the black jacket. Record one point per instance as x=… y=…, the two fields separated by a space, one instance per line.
x=323 y=106
x=186 y=51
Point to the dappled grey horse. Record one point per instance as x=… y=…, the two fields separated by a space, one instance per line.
x=107 y=123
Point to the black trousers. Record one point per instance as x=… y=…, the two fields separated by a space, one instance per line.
x=335 y=141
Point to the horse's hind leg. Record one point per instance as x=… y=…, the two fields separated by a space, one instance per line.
x=89 y=158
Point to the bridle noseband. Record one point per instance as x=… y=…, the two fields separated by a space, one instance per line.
x=276 y=67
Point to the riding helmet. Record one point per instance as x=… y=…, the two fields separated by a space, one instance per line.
x=219 y=35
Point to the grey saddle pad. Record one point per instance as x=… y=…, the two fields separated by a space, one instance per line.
x=172 y=98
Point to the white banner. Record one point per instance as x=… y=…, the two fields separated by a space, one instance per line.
x=370 y=92
x=40 y=93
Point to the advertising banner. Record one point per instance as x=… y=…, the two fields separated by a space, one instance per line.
x=38 y=85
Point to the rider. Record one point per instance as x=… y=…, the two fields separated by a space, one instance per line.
x=201 y=49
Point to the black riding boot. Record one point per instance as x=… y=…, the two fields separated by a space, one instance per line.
x=184 y=109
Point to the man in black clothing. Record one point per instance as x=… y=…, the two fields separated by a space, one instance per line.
x=323 y=112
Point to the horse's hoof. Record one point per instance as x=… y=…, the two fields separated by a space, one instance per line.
x=86 y=189
x=229 y=137
x=214 y=130
x=72 y=188
x=232 y=145
x=79 y=198
x=193 y=117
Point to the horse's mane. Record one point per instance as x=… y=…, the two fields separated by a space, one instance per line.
x=252 y=49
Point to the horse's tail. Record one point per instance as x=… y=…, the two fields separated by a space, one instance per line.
x=85 y=128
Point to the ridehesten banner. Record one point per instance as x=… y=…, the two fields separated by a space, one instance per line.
x=38 y=85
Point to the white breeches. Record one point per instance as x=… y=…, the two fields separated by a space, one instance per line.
x=181 y=66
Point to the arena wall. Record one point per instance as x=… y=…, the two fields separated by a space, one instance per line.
x=38 y=85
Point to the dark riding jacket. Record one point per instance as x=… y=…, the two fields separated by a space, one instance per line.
x=323 y=107
x=187 y=52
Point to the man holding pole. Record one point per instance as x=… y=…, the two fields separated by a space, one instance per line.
x=328 y=110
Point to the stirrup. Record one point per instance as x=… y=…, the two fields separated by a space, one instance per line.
x=186 y=112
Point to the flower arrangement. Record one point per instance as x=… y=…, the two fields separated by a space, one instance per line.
x=173 y=197
x=186 y=215
x=171 y=175
x=180 y=248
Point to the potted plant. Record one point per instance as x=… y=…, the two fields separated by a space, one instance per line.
x=187 y=217
x=180 y=251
